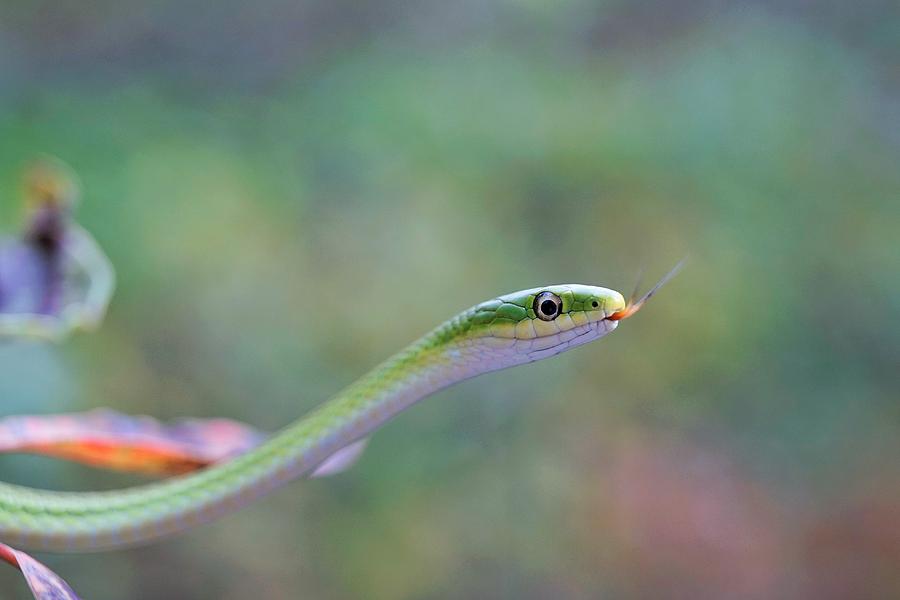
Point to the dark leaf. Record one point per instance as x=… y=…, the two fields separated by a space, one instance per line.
x=44 y=583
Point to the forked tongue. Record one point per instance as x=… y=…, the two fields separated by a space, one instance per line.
x=635 y=305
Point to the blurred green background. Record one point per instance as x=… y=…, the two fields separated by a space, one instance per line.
x=291 y=191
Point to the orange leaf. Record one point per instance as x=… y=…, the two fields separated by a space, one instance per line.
x=111 y=440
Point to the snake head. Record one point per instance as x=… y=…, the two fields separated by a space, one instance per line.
x=541 y=322
x=533 y=324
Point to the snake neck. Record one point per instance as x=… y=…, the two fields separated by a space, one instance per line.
x=438 y=360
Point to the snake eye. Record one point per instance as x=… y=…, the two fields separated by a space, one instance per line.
x=547 y=306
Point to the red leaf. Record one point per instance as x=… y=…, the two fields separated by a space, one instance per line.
x=110 y=440
x=44 y=583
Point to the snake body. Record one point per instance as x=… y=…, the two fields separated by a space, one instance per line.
x=503 y=332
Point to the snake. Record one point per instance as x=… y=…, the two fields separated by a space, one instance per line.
x=506 y=331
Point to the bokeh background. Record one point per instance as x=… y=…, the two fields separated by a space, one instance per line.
x=291 y=191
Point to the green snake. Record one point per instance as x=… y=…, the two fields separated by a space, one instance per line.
x=510 y=330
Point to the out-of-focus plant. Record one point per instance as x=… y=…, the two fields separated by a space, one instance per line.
x=110 y=440
x=54 y=278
